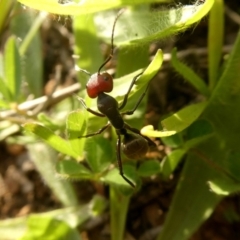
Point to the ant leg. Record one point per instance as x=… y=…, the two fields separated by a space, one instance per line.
x=129 y=90
x=137 y=131
x=119 y=161
x=130 y=112
x=89 y=109
x=96 y=133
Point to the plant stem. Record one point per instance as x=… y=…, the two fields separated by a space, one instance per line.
x=118 y=206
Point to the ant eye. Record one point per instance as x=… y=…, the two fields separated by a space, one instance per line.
x=106 y=78
x=105 y=82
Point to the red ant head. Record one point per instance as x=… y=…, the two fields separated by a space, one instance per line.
x=98 y=83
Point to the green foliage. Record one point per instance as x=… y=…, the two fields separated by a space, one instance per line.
x=59 y=224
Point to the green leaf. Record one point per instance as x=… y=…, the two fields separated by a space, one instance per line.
x=184 y=118
x=26 y=25
x=71 y=169
x=170 y=162
x=76 y=127
x=122 y=84
x=188 y=210
x=12 y=68
x=79 y=7
x=99 y=153
x=142 y=27
x=50 y=138
x=223 y=109
x=115 y=179
x=40 y=227
x=224 y=186
x=149 y=168
x=72 y=216
x=198 y=132
x=199 y=128
x=215 y=41
x=177 y=122
x=173 y=141
x=189 y=74
x=85 y=35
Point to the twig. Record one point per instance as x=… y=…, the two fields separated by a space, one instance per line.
x=232 y=15
x=57 y=96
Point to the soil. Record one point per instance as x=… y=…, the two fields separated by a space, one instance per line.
x=22 y=190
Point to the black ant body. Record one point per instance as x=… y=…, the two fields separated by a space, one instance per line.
x=134 y=145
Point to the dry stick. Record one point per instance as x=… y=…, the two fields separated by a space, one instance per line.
x=42 y=106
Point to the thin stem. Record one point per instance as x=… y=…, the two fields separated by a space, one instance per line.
x=119 y=204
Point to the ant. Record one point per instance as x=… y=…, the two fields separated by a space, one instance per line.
x=134 y=145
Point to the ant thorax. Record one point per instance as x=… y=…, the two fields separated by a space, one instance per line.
x=108 y=105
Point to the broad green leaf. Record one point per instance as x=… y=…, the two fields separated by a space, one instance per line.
x=177 y=122
x=71 y=169
x=72 y=216
x=122 y=84
x=26 y=26
x=149 y=168
x=171 y=161
x=223 y=186
x=188 y=210
x=50 y=138
x=199 y=128
x=12 y=68
x=223 y=109
x=173 y=141
x=87 y=44
x=223 y=114
x=184 y=118
x=48 y=121
x=76 y=7
x=48 y=228
x=99 y=153
x=131 y=59
x=115 y=179
x=233 y=164
x=198 y=132
x=189 y=74
x=143 y=27
x=76 y=128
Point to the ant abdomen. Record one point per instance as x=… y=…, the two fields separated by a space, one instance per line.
x=134 y=146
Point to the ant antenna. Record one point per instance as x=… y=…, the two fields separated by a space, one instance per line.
x=112 y=48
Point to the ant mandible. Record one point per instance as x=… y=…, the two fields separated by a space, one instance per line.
x=134 y=145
